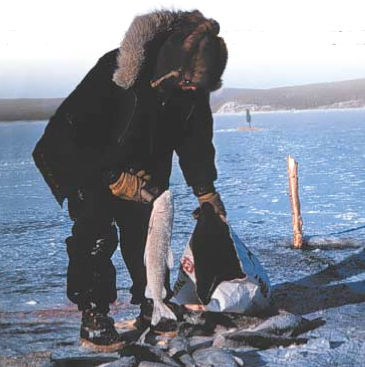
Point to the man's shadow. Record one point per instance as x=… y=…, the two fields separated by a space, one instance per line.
x=315 y=292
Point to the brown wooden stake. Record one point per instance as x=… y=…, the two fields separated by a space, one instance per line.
x=295 y=203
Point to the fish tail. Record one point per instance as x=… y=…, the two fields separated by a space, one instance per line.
x=160 y=310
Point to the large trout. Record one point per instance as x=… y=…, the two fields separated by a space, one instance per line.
x=158 y=255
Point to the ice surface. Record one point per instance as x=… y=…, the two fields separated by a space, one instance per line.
x=324 y=280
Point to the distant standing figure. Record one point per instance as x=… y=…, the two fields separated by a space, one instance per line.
x=248 y=117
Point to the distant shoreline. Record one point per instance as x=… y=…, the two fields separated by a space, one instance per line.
x=28 y=109
x=344 y=109
x=225 y=113
x=323 y=96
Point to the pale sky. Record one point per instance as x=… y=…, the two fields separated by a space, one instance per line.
x=47 y=46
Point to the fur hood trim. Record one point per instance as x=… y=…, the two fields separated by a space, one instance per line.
x=143 y=29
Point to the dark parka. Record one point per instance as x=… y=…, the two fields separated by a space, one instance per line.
x=108 y=125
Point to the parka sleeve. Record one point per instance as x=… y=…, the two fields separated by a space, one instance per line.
x=195 y=147
x=69 y=152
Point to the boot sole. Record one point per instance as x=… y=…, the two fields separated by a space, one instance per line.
x=131 y=325
x=115 y=347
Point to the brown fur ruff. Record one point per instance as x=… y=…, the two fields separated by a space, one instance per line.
x=132 y=49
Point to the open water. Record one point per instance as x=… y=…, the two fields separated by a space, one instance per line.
x=329 y=146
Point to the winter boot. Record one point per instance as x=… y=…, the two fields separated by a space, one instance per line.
x=143 y=321
x=98 y=331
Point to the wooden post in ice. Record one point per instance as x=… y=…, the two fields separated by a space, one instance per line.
x=295 y=203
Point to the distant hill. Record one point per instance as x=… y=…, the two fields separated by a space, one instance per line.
x=28 y=109
x=346 y=94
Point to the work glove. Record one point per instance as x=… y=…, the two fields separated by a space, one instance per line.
x=214 y=199
x=207 y=194
x=130 y=186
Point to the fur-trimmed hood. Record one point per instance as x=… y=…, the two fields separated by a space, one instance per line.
x=144 y=30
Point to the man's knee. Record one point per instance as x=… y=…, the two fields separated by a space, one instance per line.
x=93 y=244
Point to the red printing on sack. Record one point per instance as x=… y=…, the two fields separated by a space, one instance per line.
x=187 y=265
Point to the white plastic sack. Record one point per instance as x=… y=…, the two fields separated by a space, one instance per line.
x=247 y=295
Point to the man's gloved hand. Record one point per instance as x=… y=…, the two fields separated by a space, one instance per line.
x=214 y=199
x=207 y=194
x=130 y=187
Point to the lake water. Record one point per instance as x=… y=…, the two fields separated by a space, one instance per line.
x=330 y=149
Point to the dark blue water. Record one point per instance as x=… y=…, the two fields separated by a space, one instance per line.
x=329 y=146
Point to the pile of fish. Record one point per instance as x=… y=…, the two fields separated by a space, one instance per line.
x=202 y=339
x=212 y=339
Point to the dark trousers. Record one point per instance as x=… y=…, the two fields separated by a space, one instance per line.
x=91 y=276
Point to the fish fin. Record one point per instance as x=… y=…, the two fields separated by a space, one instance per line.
x=170 y=259
x=160 y=310
x=147 y=292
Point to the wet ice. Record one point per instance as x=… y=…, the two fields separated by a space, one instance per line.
x=253 y=183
